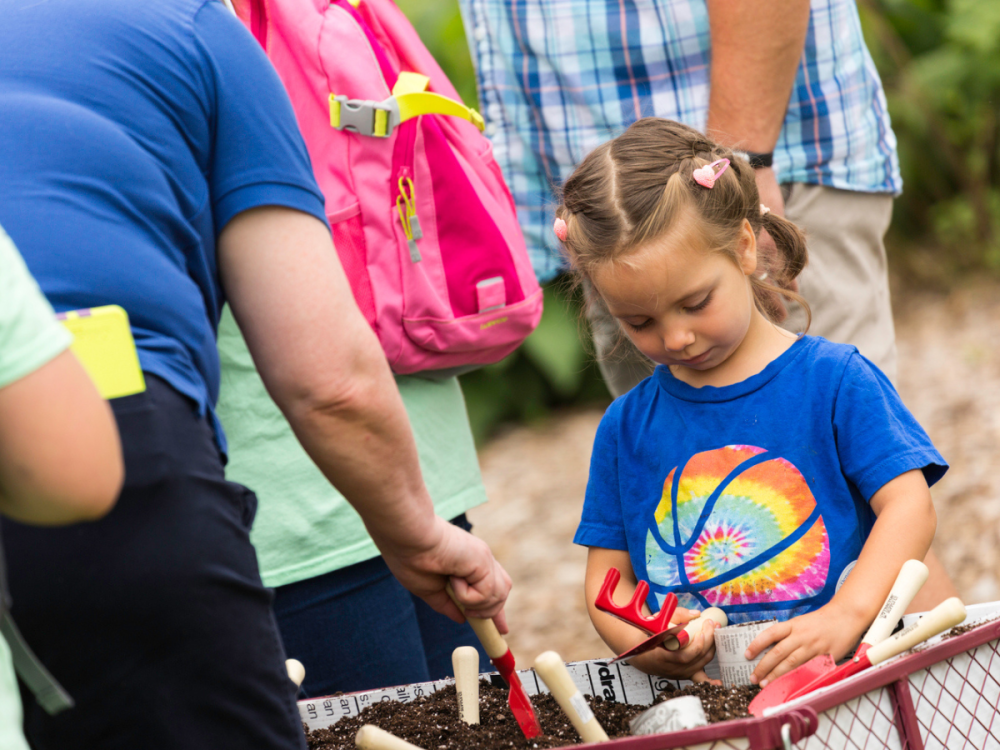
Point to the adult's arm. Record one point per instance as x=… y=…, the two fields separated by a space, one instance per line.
x=756 y=48
x=323 y=366
x=60 y=456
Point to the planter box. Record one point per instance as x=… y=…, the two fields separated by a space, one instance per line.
x=944 y=695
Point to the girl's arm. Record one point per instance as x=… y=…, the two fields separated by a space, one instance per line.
x=684 y=663
x=903 y=531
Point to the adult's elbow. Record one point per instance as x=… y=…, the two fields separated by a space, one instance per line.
x=103 y=490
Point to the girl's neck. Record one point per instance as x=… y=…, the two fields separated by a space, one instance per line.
x=763 y=343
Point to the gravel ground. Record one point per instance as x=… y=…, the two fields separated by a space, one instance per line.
x=949 y=364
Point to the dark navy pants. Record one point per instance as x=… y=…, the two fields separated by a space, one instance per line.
x=154 y=618
x=358 y=629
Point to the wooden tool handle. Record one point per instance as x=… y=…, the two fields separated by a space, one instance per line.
x=552 y=670
x=486 y=630
x=911 y=577
x=370 y=737
x=694 y=627
x=465 y=660
x=296 y=672
x=946 y=615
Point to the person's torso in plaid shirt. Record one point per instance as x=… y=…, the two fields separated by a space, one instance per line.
x=559 y=77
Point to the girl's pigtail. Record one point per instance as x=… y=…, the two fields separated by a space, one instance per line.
x=785 y=267
x=791 y=244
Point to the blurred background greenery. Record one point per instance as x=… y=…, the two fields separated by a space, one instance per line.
x=940 y=65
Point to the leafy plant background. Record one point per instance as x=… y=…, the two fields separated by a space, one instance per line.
x=940 y=65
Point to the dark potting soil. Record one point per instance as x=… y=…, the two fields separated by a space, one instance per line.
x=432 y=722
x=957 y=631
x=719 y=703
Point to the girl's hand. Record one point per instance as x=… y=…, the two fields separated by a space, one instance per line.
x=685 y=663
x=828 y=630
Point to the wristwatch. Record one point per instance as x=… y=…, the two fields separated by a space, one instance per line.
x=757 y=160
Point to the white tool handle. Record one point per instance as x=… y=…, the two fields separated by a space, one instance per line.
x=911 y=577
x=694 y=627
x=552 y=670
x=486 y=630
x=946 y=615
x=296 y=672
x=370 y=737
x=465 y=660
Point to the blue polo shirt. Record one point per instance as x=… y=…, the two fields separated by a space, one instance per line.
x=131 y=134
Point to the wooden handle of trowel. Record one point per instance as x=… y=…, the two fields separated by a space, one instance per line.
x=947 y=614
x=486 y=630
x=370 y=737
x=550 y=667
x=465 y=660
x=911 y=577
x=296 y=672
x=694 y=627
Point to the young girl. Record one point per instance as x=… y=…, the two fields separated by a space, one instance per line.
x=770 y=474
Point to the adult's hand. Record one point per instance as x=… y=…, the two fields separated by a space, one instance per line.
x=323 y=366
x=767 y=251
x=480 y=583
x=770 y=190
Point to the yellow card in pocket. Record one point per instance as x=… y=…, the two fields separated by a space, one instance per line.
x=102 y=341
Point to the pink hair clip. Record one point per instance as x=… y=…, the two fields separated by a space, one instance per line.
x=706 y=176
x=559 y=227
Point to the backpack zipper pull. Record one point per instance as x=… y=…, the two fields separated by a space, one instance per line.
x=406 y=207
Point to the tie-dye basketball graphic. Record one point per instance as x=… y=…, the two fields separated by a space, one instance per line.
x=736 y=528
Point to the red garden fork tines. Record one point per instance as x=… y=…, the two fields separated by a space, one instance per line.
x=658 y=625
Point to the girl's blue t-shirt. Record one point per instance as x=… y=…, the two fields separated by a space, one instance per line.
x=751 y=497
x=132 y=132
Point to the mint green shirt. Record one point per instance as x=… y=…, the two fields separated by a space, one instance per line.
x=304 y=527
x=30 y=337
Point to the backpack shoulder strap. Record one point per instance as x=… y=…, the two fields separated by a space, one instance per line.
x=48 y=692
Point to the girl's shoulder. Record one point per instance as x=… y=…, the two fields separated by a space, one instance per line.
x=817 y=355
x=839 y=373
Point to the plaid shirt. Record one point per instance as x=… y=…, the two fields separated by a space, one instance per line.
x=559 y=77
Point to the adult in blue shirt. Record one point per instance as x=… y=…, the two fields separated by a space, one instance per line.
x=151 y=160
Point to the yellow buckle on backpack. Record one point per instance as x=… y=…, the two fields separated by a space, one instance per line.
x=409 y=99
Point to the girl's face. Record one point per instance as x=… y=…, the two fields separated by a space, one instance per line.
x=680 y=303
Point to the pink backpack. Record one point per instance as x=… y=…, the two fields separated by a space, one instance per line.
x=422 y=220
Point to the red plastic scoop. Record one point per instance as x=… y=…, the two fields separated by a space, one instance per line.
x=822 y=670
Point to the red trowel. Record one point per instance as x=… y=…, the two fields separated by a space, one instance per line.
x=822 y=670
x=498 y=651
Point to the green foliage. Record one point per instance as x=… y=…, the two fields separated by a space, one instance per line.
x=440 y=27
x=552 y=368
x=940 y=63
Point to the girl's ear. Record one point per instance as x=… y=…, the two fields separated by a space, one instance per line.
x=746 y=249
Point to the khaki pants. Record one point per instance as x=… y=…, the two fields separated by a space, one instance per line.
x=846 y=284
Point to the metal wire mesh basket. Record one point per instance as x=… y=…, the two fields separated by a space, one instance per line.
x=943 y=695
